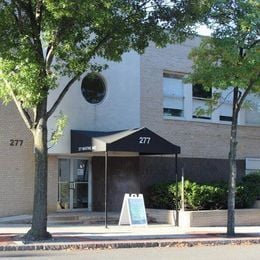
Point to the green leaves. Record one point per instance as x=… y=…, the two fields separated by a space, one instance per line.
x=24 y=78
x=232 y=56
x=61 y=123
x=42 y=41
x=217 y=63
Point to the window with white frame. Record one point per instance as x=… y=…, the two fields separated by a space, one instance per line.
x=252 y=165
x=225 y=108
x=252 y=113
x=173 y=95
x=200 y=96
x=179 y=101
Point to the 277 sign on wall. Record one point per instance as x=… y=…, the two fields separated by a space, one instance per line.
x=15 y=142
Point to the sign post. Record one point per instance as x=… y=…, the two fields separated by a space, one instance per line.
x=133 y=211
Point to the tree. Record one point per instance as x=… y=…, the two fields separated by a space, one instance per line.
x=230 y=58
x=44 y=40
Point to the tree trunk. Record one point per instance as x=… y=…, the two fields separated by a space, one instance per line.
x=232 y=168
x=38 y=230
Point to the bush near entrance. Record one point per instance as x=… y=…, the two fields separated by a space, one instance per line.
x=207 y=196
x=249 y=191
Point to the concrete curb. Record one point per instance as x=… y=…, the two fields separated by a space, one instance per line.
x=130 y=244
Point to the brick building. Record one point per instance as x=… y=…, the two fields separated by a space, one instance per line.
x=141 y=91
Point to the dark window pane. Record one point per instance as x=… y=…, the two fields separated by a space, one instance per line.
x=225 y=118
x=199 y=91
x=173 y=112
x=93 y=88
x=201 y=117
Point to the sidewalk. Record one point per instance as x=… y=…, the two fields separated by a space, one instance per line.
x=98 y=237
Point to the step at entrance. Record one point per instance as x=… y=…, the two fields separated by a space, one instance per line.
x=67 y=218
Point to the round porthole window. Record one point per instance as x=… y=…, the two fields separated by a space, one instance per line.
x=93 y=88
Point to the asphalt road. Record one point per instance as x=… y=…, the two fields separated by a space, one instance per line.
x=228 y=252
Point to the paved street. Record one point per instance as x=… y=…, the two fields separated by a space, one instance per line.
x=228 y=252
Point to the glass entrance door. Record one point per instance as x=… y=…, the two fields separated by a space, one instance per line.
x=80 y=184
x=73 y=184
x=64 y=184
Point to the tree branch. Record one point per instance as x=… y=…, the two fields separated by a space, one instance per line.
x=18 y=19
x=247 y=91
x=69 y=84
x=62 y=94
x=35 y=25
x=49 y=57
x=223 y=100
x=254 y=43
x=64 y=25
x=24 y=114
x=38 y=13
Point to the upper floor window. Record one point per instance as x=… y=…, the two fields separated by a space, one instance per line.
x=173 y=95
x=225 y=105
x=93 y=88
x=199 y=106
x=252 y=113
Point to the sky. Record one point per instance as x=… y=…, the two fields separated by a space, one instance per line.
x=203 y=30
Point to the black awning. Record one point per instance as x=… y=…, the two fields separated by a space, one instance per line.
x=140 y=140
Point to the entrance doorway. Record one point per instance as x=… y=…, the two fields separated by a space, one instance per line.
x=74 y=184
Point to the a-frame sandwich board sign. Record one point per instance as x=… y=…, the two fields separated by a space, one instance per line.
x=133 y=211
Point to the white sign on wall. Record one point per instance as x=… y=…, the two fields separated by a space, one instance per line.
x=133 y=210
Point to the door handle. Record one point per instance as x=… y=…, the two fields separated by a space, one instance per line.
x=72 y=185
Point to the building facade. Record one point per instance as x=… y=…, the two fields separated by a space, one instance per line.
x=141 y=91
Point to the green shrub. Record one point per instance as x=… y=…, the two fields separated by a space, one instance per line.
x=196 y=196
x=204 y=196
x=161 y=196
x=253 y=181
x=248 y=190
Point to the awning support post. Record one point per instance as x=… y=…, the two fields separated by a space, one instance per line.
x=106 y=155
x=176 y=194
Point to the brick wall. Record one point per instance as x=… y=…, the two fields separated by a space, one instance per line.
x=17 y=166
x=52 y=183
